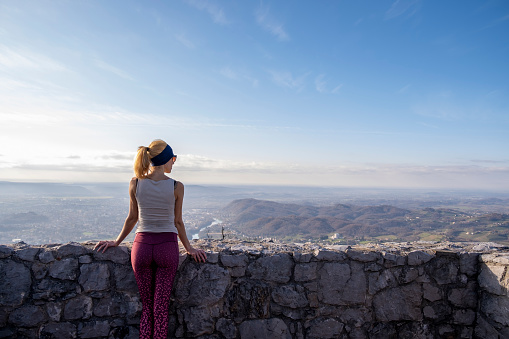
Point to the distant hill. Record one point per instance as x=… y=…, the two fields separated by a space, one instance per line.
x=264 y=218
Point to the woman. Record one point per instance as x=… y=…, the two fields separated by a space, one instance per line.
x=156 y=205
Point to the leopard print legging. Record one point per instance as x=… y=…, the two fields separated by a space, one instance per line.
x=154 y=257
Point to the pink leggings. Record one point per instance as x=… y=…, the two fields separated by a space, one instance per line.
x=155 y=258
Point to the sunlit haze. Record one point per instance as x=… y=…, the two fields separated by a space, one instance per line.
x=329 y=93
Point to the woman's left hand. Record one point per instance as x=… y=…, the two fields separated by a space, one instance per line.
x=198 y=255
x=104 y=245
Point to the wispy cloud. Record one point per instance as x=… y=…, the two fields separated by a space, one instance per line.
x=321 y=85
x=271 y=25
x=228 y=73
x=401 y=7
x=496 y=22
x=24 y=58
x=403 y=89
x=184 y=41
x=231 y=74
x=287 y=80
x=112 y=69
x=215 y=12
x=490 y=161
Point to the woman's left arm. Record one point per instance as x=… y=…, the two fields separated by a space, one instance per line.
x=197 y=254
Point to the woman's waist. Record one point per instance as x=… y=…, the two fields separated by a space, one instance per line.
x=154 y=238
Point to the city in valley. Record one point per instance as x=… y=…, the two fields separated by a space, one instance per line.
x=45 y=213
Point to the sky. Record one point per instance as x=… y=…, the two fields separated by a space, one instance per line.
x=405 y=93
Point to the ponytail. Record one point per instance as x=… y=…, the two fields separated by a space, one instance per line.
x=142 y=162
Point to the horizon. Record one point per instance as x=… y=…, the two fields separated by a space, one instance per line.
x=383 y=95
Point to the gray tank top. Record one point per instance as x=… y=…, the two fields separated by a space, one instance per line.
x=156 y=206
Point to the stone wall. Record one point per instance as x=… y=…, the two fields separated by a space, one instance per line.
x=262 y=290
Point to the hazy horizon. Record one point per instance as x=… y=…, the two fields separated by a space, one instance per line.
x=387 y=94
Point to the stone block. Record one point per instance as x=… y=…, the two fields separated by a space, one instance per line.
x=275 y=268
x=496 y=309
x=94 y=277
x=468 y=263
x=212 y=257
x=302 y=257
x=109 y=307
x=392 y=260
x=290 y=296
x=78 y=308
x=249 y=299
x=273 y=328
x=119 y=255
x=363 y=256
x=71 y=249
x=201 y=284
x=381 y=280
x=39 y=270
x=342 y=284
x=5 y=251
x=399 y=303
x=464 y=317
x=46 y=256
x=85 y=259
x=27 y=254
x=63 y=330
x=324 y=328
x=93 y=329
x=327 y=255
x=28 y=316
x=198 y=321
x=236 y=260
x=483 y=329
x=431 y=292
x=419 y=258
x=54 y=310
x=227 y=328
x=464 y=297
x=65 y=269
x=15 y=283
x=125 y=280
x=444 y=271
x=305 y=272
x=490 y=278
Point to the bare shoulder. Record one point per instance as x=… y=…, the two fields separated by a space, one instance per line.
x=179 y=188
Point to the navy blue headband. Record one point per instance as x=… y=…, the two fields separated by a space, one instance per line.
x=163 y=157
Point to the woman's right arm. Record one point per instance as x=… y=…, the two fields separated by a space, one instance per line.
x=130 y=221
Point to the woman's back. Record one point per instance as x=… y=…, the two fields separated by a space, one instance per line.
x=156 y=205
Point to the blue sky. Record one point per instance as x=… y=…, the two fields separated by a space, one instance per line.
x=342 y=93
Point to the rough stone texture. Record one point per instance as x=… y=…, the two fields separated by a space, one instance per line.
x=262 y=290
x=15 y=282
x=27 y=316
x=325 y=328
x=94 y=277
x=94 y=329
x=260 y=329
x=63 y=330
x=64 y=269
x=341 y=284
x=397 y=304
x=27 y=254
x=276 y=268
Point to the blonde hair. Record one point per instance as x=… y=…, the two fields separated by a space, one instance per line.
x=142 y=160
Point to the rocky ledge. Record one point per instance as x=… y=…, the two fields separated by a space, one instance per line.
x=264 y=290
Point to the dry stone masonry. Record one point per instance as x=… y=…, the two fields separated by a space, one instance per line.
x=263 y=290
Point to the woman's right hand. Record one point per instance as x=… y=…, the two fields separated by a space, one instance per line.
x=198 y=255
x=104 y=245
